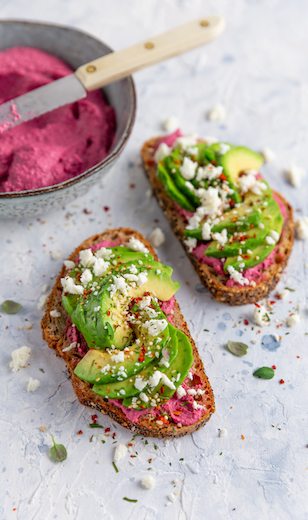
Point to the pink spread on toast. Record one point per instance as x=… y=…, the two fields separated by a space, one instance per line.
x=58 y=145
x=170 y=139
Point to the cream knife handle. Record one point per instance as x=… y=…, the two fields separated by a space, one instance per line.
x=118 y=65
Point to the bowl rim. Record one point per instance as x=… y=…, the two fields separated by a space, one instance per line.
x=110 y=157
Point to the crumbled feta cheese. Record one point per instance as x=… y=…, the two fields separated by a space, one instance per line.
x=136 y=245
x=261 y=225
x=86 y=258
x=70 y=347
x=151 y=312
x=145 y=302
x=155 y=327
x=140 y=383
x=206 y=231
x=157 y=237
x=270 y=241
x=162 y=151
x=283 y=294
x=186 y=141
x=120 y=452
x=55 y=255
x=96 y=309
x=33 y=385
x=188 y=169
x=294 y=319
x=55 y=314
x=197 y=406
x=236 y=276
x=295 y=175
x=190 y=376
x=248 y=182
x=118 y=285
x=222 y=238
x=171 y=124
x=260 y=316
x=86 y=277
x=268 y=154
x=171 y=497
x=209 y=172
x=69 y=264
x=20 y=358
x=117 y=358
x=222 y=432
x=70 y=287
x=144 y=397
x=166 y=381
x=154 y=379
x=191 y=243
x=301 y=227
x=148 y=482
x=180 y=392
x=217 y=113
x=42 y=301
x=100 y=266
x=210 y=201
x=142 y=278
x=104 y=253
x=224 y=148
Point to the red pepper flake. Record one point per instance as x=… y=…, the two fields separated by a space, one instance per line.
x=132 y=186
x=156 y=219
x=106 y=208
x=272 y=302
x=177 y=161
x=281 y=381
x=14 y=508
x=108 y=312
x=87 y=211
x=162 y=390
x=223 y=177
x=243 y=437
x=150 y=460
x=107 y=430
x=94 y=418
x=150 y=162
x=274 y=367
x=246 y=322
x=298 y=357
x=114 y=435
x=80 y=432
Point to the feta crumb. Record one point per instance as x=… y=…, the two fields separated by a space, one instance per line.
x=268 y=154
x=140 y=383
x=206 y=231
x=70 y=347
x=86 y=258
x=155 y=327
x=180 y=392
x=188 y=169
x=136 y=245
x=33 y=385
x=70 y=287
x=301 y=227
x=255 y=341
x=162 y=151
x=55 y=314
x=69 y=264
x=191 y=243
x=222 y=432
x=171 y=497
x=221 y=238
x=117 y=358
x=171 y=124
x=157 y=237
x=260 y=316
x=147 y=482
x=55 y=255
x=42 y=301
x=224 y=148
x=20 y=358
x=120 y=452
x=144 y=397
x=236 y=276
x=294 y=319
x=295 y=175
x=217 y=113
x=283 y=294
x=276 y=337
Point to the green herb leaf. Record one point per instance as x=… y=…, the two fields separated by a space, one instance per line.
x=10 y=307
x=289 y=289
x=237 y=348
x=264 y=373
x=91 y=438
x=58 y=452
x=115 y=467
x=94 y=425
x=129 y=499
x=110 y=330
x=206 y=330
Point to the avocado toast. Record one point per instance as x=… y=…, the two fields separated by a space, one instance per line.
x=126 y=345
x=237 y=232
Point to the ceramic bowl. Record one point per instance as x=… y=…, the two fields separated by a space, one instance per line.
x=76 y=48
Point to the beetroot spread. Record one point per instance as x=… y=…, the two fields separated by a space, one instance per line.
x=58 y=145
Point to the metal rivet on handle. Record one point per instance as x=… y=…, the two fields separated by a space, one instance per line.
x=204 y=23
x=149 y=45
x=91 y=68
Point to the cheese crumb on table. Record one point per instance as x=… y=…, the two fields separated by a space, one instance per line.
x=33 y=385
x=157 y=237
x=20 y=358
x=217 y=113
x=294 y=319
x=260 y=316
x=283 y=294
x=268 y=154
x=147 y=482
x=42 y=301
x=301 y=227
x=171 y=124
x=295 y=175
x=120 y=452
x=222 y=432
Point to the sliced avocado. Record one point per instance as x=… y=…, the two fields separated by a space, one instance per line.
x=172 y=189
x=127 y=388
x=259 y=254
x=239 y=159
x=173 y=169
x=176 y=373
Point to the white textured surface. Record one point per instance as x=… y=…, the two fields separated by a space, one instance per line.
x=258 y=71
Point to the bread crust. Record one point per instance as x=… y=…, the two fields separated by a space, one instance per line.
x=53 y=330
x=210 y=279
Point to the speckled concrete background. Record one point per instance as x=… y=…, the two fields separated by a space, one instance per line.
x=258 y=71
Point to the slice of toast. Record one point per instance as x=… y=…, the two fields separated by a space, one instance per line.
x=214 y=282
x=54 y=332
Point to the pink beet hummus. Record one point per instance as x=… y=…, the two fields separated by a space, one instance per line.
x=58 y=145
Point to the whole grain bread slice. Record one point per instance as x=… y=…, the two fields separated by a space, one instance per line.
x=214 y=282
x=54 y=332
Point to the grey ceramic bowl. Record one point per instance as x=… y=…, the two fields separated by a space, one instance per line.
x=76 y=48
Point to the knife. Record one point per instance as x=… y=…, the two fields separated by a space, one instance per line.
x=107 y=69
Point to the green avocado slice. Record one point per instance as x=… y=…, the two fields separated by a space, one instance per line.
x=176 y=373
x=127 y=388
x=238 y=159
x=259 y=254
x=172 y=189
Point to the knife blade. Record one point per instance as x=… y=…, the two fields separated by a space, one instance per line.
x=109 y=68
